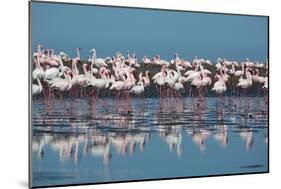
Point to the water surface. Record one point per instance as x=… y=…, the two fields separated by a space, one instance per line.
x=74 y=142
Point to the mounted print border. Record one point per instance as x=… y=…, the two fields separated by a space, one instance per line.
x=104 y=107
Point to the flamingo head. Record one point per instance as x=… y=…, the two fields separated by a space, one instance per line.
x=92 y=50
x=250 y=71
x=75 y=60
x=108 y=60
x=40 y=46
x=85 y=66
x=217 y=76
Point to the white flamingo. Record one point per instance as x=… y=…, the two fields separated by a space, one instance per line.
x=38 y=72
x=206 y=81
x=37 y=88
x=99 y=61
x=53 y=72
x=146 y=79
x=137 y=89
x=219 y=86
x=257 y=78
x=99 y=83
x=245 y=83
x=146 y=60
x=239 y=73
x=62 y=84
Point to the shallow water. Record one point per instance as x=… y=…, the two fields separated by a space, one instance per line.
x=74 y=142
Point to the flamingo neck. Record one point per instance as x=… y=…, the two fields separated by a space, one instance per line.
x=257 y=74
x=37 y=62
x=146 y=74
x=93 y=58
x=39 y=83
x=249 y=76
x=178 y=70
x=140 y=76
x=61 y=62
x=74 y=67
x=78 y=53
x=85 y=71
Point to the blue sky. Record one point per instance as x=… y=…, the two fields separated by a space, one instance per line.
x=147 y=32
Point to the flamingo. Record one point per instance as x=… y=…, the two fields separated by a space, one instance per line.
x=206 y=81
x=239 y=73
x=192 y=74
x=185 y=63
x=157 y=60
x=171 y=78
x=219 y=86
x=146 y=60
x=62 y=84
x=118 y=86
x=159 y=78
x=146 y=79
x=53 y=72
x=138 y=89
x=37 y=88
x=98 y=83
x=82 y=79
x=246 y=83
x=99 y=61
x=74 y=68
x=232 y=70
x=38 y=72
x=258 y=79
x=197 y=82
x=178 y=86
x=249 y=63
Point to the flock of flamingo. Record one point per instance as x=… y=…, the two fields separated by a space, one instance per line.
x=126 y=77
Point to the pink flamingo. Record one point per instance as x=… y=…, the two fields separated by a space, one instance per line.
x=146 y=60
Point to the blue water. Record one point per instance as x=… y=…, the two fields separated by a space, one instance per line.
x=74 y=142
